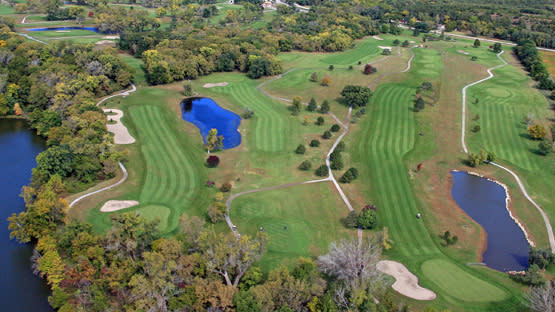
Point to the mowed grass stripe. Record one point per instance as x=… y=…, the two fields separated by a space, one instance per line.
x=154 y=175
x=181 y=183
x=164 y=184
x=391 y=121
x=269 y=130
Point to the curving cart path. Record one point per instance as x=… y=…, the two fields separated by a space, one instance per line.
x=519 y=182
x=330 y=177
x=123 y=169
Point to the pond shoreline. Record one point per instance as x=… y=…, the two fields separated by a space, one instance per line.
x=508 y=204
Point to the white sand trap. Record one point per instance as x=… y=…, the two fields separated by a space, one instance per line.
x=62 y=31
x=406 y=283
x=385 y=48
x=121 y=135
x=377 y=37
x=463 y=52
x=412 y=41
x=111 y=37
x=105 y=42
x=115 y=205
x=212 y=85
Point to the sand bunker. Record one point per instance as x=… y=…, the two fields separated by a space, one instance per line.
x=211 y=85
x=121 y=135
x=406 y=283
x=463 y=52
x=111 y=37
x=385 y=48
x=377 y=37
x=115 y=205
x=105 y=42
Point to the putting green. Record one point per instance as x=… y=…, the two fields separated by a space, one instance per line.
x=460 y=284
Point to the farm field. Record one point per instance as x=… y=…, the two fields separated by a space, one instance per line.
x=549 y=61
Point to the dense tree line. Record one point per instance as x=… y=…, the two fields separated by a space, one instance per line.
x=530 y=58
x=509 y=20
x=55 y=87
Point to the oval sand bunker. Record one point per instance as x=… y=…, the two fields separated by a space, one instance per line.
x=406 y=283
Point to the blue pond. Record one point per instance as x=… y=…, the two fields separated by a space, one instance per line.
x=207 y=114
x=484 y=201
x=63 y=28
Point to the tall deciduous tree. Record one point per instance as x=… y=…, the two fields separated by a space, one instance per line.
x=356 y=96
x=231 y=256
x=214 y=141
x=353 y=262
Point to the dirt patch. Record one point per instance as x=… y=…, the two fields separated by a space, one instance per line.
x=121 y=134
x=115 y=205
x=406 y=283
x=377 y=37
x=463 y=52
x=212 y=85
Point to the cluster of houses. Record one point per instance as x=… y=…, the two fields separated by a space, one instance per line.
x=272 y=5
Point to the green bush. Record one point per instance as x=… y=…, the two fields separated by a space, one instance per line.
x=326 y=135
x=320 y=121
x=314 y=143
x=545 y=147
x=367 y=219
x=300 y=149
x=305 y=165
x=322 y=171
x=335 y=128
x=340 y=147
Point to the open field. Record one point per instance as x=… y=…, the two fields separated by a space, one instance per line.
x=297 y=222
x=549 y=61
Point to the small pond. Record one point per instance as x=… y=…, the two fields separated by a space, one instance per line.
x=207 y=114
x=63 y=28
x=484 y=201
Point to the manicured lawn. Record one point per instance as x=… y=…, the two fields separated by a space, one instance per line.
x=383 y=140
x=172 y=176
x=299 y=221
x=458 y=283
x=6 y=9
x=504 y=102
x=61 y=33
x=137 y=64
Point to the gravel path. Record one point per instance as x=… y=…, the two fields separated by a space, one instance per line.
x=519 y=182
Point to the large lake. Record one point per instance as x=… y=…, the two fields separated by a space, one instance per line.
x=20 y=290
x=484 y=201
x=207 y=114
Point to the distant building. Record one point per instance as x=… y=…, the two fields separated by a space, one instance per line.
x=269 y=5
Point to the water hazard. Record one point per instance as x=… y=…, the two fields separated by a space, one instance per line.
x=207 y=114
x=94 y=29
x=20 y=290
x=484 y=201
